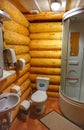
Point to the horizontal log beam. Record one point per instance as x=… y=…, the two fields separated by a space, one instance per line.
x=45 y=45
x=45 y=54
x=47 y=35
x=37 y=62
x=54 y=79
x=51 y=88
x=44 y=16
x=53 y=94
x=45 y=27
x=47 y=71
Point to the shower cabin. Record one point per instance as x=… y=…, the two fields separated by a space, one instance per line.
x=72 y=67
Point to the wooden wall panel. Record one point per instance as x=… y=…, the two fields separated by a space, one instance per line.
x=25 y=56
x=45 y=54
x=15 y=35
x=45 y=62
x=18 y=82
x=45 y=16
x=47 y=70
x=15 y=38
x=50 y=35
x=14 y=13
x=15 y=27
x=51 y=88
x=45 y=27
x=45 y=45
x=54 y=79
x=53 y=94
x=18 y=49
x=45 y=50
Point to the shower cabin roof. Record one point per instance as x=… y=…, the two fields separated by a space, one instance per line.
x=73 y=13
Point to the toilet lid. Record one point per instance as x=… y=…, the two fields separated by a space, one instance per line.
x=39 y=96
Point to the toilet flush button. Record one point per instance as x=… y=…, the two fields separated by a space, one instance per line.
x=42 y=85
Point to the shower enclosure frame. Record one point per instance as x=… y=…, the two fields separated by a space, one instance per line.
x=71 y=99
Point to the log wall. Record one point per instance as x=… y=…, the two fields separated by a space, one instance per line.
x=40 y=45
x=16 y=36
x=45 y=50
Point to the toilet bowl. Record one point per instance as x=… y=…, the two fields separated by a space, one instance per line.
x=39 y=97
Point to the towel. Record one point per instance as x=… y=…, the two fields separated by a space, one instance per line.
x=15 y=89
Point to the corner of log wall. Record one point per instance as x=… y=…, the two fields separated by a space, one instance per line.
x=16 y=36
x=45 y=51
x=40 y=45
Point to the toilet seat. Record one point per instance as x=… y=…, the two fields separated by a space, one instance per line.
x=39 y=96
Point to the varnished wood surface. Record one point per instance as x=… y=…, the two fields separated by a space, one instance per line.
x=32 y=122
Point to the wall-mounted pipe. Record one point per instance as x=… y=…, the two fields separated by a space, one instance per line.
x=4 y=16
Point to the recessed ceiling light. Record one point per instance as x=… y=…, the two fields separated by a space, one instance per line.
x=55 y=6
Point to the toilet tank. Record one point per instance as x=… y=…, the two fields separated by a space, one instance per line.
x=42 y=83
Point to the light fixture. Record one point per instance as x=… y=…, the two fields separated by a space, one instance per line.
x=55 y=5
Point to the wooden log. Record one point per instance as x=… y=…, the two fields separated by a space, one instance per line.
x=54 y=79
x=18 y=49
x=52 y=88
x=50 y=35
x=17 y=82
x=14 y=13
x=53 y=94
x=15 y=27
x=15 y=38
x=9 y=80
x=22 y=79
x=45 y=45
x=25 y=56
x=45 y=62
x=26 y=94
x=47 y=71
x=25 y=86
x=45 y=16
x=45 y=54
x=8 y=88
x=45 y=27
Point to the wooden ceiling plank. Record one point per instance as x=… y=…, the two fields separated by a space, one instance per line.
x=49 y=4
x=37 y=5
x=44 y=5
x=70 y=4
x=29 y=4
x=18 y=5
x=81 y=3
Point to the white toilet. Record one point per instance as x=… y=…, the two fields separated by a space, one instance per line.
x=39 y=97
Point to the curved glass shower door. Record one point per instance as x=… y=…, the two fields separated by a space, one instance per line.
x=72 y=67
x=71 y=92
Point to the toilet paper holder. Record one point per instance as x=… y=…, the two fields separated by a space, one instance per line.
x=10 y=59
x=16 y=89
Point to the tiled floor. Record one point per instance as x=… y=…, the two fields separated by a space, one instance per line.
x=33 y=123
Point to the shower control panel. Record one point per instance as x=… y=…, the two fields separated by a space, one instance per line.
x=73 y=62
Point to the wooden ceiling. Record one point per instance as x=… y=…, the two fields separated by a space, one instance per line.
x=41 y=8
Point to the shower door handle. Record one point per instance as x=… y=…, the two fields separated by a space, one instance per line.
x=72 y=80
